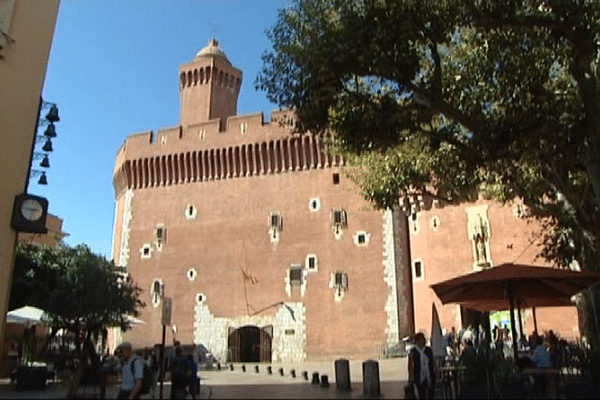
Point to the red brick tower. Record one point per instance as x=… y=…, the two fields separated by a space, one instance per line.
x=267 y=252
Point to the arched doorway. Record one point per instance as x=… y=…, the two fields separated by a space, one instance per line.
x=250 y=344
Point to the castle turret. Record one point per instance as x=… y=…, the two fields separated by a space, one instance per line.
x=209 y=87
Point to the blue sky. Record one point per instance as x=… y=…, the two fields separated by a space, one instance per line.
x=113 y=70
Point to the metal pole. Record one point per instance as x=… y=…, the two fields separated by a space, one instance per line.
x=534 y=321
x=513 y=330
x=520 y=320
x=162 y=361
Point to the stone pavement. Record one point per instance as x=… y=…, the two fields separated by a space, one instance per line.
x=226 y=384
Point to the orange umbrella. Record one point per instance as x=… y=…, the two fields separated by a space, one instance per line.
x=514 y=284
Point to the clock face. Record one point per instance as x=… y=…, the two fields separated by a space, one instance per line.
x=31 y=209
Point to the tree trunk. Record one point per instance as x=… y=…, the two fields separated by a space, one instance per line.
x=95 y=358
x=76 y=378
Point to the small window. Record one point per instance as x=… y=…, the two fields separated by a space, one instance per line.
x=160 y=235
x=202 y=134
x=435 y=222
x=200 y=298
x=243 y=127
x=341 y=281
x=163 y=139
x=311 y=262
x=192 y=274
x=190 y=211
x=362 y=238
x=146 y=251
x=336 y=178
x=418 y=271
x=276 y=221
x=156 y=291
x=296 y=275
x=314 y=204
x=339 y=218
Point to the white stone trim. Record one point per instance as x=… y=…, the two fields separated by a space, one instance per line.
x=126 y=229
x=389 y=276
x=213 y=331
x=478 y=224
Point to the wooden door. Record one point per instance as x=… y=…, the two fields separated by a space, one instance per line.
x=266 y=338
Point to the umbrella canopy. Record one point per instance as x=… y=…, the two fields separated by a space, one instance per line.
x=527 y=283
x=25 y=315
x=503 y=304
x=514 y=284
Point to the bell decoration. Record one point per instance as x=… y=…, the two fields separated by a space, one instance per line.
x=45 y=162
x=50 y=131
x=47 y=146
x=43 y=180
x=52 y=115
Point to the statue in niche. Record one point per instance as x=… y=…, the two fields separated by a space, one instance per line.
x=480 y=238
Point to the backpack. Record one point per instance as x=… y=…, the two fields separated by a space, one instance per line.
x=147 y=379
x=179 y=371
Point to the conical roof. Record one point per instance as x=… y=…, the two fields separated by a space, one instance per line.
x=212 y=50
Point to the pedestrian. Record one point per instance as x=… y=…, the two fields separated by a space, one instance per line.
x=193 y=385
x=132 y=373
x=421 y=368
x=179 y=373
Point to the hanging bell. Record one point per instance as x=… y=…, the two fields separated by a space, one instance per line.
x=52 y=115
x=50 y=131
x=45 y=162
x=43 y=180
x=47 y=146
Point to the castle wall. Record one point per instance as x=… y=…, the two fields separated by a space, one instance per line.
x=446 y=250
x=230 y=233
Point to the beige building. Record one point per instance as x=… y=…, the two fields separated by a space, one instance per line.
x=26 y=29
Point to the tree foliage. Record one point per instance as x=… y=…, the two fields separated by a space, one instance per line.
x=452 y=98
x=79 y=290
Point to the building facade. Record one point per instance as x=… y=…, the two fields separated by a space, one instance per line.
x=266 y=251
x=447 y=241
x=26 y=29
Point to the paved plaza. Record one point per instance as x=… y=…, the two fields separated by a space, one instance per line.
x=226 y=384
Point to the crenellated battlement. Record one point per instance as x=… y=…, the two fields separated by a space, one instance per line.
x=248 y=147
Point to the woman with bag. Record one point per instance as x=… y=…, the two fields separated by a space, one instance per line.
x=421 y=368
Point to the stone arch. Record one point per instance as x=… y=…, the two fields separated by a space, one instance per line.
x=182 y=79
x=195 y=77
x=250 y=344
x=201 y=75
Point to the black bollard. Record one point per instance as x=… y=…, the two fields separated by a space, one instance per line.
x=371 y=378
x=243 y=368
x=305 y=375
x=315 y=378
x=293 y=373
x=342 y=374
x=324 y=381
x=256 y=369
x=281 y=371
x=231 y=367
x=269 y=370
x=219 y=366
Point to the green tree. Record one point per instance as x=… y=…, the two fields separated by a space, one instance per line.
x=82 y=293
x=452 y=98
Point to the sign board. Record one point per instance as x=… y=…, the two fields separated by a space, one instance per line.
x=166 y=311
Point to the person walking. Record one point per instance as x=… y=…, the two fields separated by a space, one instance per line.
x=179 y=373
x=193 y=385
x=132 y=373
x=421 y=368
